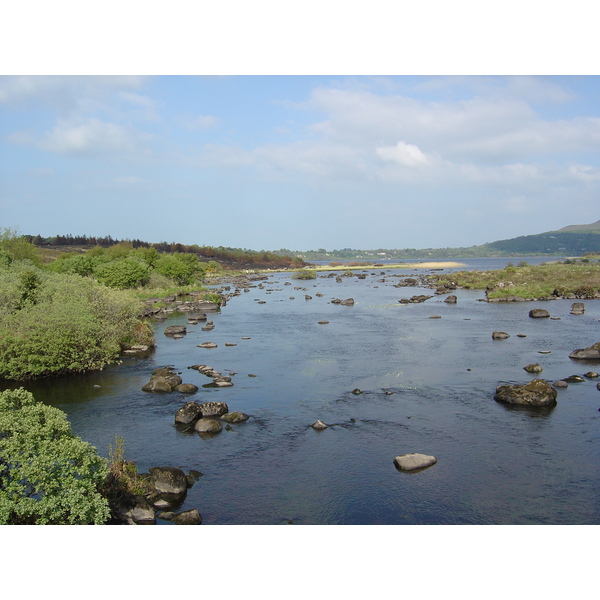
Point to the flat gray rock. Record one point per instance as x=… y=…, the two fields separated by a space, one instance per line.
x=412 y=462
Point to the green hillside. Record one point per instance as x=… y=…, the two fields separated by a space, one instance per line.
x=574 y=240
x=590 y=228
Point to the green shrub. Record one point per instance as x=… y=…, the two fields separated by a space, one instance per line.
x=122 y=273
x=76 y=325
x=182 y=268
x=47 y=474
x=17 y=247
x=76 y=264
x=305 y=274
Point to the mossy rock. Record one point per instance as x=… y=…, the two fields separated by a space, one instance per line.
x=235 y=417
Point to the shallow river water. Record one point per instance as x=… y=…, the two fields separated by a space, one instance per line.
x=427 y=386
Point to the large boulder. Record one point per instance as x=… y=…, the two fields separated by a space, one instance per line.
x=175 y=329
x=577 y=308
x=535 y=393
x=168 y=480
x=187 y=517
x=213 y=409
x=142 y=512
x=592 y=352
x=452 y=299
x=414 y=461
x=158 y=384
x=208 y=426
x=538 y=313
x=188 y=413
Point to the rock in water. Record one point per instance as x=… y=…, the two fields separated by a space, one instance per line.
x=538 y=313
x=500 y=335
x=187 y=388
x=213 y=409
x=535 y=393
x=577 y=308
x=592 y=352
x=208 y=426
x=235 y=417
x=187 y=517
x=533 y=368
x=318 y=425
x=169 y=480
x=175 y=330
x=188 y=413
x=412 y=462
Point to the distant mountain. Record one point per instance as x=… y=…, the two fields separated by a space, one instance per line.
x=573 y=240
x=590 y=228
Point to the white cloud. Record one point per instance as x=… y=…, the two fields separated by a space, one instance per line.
x=65 y=94
x=146 y=107
x=406 y=155
x=585 y=173
x=86 y=138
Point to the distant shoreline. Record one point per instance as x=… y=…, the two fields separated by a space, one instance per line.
x=415 y=265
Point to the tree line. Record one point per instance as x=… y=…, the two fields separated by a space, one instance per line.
x=223 y=254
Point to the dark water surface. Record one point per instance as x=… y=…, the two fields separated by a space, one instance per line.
x=496 y=465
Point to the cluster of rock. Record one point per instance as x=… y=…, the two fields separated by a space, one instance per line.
x=219 y=380
x=346 y=302
x=414 y=299
x=205 y=417
x=166 y=379
x=166 y=489
x=173 y=304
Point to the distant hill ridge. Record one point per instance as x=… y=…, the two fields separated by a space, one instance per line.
x=573 y=240
x=590 y=228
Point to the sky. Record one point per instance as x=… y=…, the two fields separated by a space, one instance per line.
x=302 y=126
x=299 y=162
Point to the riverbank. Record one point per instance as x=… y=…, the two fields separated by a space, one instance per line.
x=548 y=281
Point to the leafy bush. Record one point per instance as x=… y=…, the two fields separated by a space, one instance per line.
x=122 y=273
x=17 y=247
x=47 y=474
x=182 y=268
x=76 y=325
x=76 y=264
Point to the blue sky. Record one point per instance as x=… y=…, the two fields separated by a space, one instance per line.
x=299 y=162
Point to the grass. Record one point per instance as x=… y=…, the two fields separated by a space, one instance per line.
x=581 y=279
x=122 y=477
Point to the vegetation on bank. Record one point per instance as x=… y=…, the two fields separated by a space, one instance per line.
x=47 y=474
x=231 y=257
x=578 y=278
x=54 y=324
x=77 y=313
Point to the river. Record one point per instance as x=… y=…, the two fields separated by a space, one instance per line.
x=427 y=386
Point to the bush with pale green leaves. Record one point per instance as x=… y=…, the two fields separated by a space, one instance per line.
x=47 y=474
x=53 y=324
